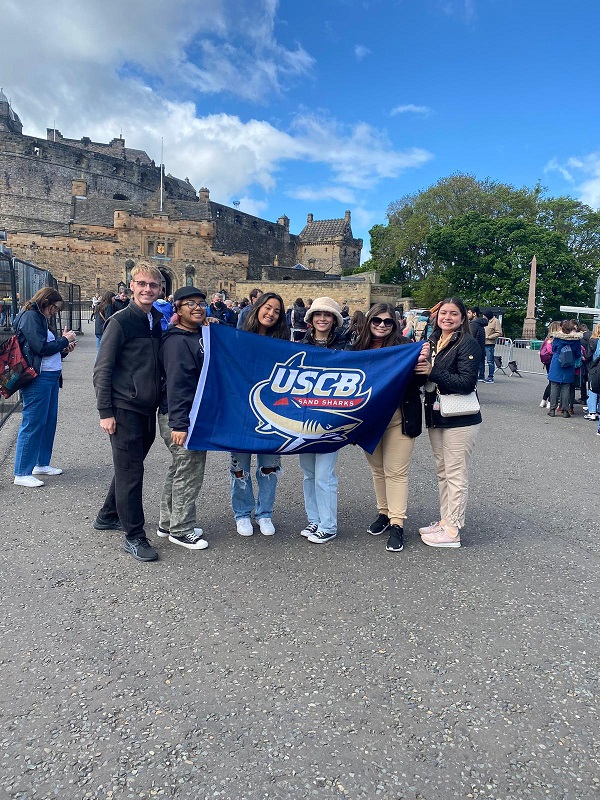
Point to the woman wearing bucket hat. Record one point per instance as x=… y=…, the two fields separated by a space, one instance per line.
x=320 y=481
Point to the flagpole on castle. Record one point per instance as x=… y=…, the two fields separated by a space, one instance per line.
x=529 y=326
x=161 y=173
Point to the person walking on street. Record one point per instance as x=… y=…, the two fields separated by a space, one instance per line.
x=127 y=384
x=493 y=331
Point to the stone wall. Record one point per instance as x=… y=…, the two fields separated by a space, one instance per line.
x=358 y=296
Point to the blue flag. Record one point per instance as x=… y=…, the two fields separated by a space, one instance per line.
x=263 y=395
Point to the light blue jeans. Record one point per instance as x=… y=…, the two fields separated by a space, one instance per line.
x=592 y=402
x=320 y=489
x=242 y=494
x=38 y=424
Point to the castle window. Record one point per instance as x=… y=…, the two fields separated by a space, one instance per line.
x=254 y=224
x=120 y=196
x=270 y=231
x=325 y=249
x=170 y=250
x=37 y=151
x=238 y=219
x=219 y=213
x=150 y=248
x=345 y=252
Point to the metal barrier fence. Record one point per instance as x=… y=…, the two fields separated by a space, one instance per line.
x=524 y=353
x=28 y=280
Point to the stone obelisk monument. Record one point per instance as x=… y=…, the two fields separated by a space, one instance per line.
x=530 y=320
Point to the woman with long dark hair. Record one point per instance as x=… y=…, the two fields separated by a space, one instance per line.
x=391 y=458
x=267 y=318
x=454 y=369
x=44 y=352
x=103 y=311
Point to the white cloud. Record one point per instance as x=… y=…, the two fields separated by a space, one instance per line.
x=321 y=194
x=96 y=78
x=360 y=51
x=410 y=109
x=582 y=172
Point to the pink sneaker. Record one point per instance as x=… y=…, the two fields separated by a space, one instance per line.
x=431 y=528
x=441 y=538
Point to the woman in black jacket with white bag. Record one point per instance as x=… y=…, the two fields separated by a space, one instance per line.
x=455 y=359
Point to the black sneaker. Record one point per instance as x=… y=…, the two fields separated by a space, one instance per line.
x=140 y=549
x=381 y=524
x=395 y=543
x=107 y=524
x=320 y=537
x=193 y=541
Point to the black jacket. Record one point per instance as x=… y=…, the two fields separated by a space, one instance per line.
x=477 y=328
x=337 y=343
x=455 y=371
x=127 y=368
x=181 y=359
x=101 y=318
x=411 y=406
x=32 y=334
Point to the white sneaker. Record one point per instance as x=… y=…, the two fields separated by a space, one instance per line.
x=266 y=526
x=163 y=532
x=543 y=404
x=311 y=528
x=244 y=526
x=47 y=470
x=28 y=480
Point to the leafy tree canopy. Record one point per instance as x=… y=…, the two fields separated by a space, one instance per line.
x=477 y=238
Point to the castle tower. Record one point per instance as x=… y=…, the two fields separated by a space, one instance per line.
x=9 y=121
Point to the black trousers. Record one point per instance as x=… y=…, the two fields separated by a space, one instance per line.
x=130 y=444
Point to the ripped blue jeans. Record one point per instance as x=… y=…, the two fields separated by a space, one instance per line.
x=242 y=493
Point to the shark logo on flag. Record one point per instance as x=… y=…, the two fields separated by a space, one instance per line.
x=256 y=394
x=306 y=404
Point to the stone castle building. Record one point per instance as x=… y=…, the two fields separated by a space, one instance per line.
x=88 y=211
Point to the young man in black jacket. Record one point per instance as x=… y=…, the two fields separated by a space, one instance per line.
x=477 y=328
x=127 y=384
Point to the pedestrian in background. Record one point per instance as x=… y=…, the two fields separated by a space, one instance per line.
x=44 y=351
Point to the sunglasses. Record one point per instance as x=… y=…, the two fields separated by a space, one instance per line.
x=388 y=323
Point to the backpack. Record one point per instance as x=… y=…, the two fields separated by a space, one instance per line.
x=546 y=351
x=565 y=357
x=594 y=375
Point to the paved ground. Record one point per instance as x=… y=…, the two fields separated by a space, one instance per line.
x=273 y=668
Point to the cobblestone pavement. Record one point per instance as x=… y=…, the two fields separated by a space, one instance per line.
x=268 y=667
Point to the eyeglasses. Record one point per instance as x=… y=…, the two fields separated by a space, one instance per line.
x=379 y=321
x=194 y=304
x=144 y=284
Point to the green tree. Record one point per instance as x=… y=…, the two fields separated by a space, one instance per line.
x=486 y=261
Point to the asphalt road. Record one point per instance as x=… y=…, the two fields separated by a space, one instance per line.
x=269 y=667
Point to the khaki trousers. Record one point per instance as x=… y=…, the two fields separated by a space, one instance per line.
x=182 y=484
x=389 y=465
x=452 y=451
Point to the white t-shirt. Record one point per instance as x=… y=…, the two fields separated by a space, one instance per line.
x=51 y=363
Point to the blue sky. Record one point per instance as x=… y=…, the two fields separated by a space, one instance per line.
x=323 y=105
